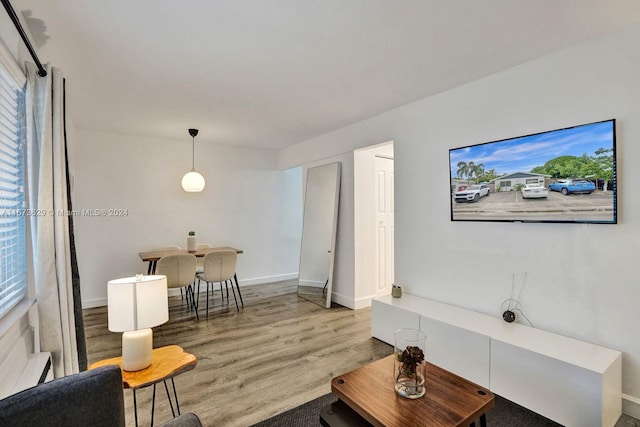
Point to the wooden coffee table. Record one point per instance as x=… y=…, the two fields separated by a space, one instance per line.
x=450 y=400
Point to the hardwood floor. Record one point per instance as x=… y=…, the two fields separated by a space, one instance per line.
x=277 y=353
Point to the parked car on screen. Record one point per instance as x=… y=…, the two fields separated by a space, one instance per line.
x=472 y=193
x=571 y=186
x=534 y=191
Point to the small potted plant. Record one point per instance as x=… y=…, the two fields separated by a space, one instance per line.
x=191 y=241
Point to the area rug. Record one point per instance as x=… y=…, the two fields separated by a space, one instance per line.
x=503 y=414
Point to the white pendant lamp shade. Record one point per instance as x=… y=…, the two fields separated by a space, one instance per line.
x=192 y=181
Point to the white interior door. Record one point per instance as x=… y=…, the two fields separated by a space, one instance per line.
x=384 y=224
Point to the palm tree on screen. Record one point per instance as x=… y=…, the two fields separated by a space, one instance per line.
x=469 y=169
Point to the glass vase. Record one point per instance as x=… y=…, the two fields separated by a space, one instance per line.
x=409 y=365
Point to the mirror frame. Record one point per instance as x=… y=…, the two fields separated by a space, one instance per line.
x=333 y=231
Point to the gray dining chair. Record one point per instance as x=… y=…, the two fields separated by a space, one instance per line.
x=220 y=266
x=180 y=270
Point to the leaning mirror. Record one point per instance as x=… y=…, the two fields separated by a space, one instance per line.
x=319 y=224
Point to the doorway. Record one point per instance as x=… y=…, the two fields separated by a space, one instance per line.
x=373 y=222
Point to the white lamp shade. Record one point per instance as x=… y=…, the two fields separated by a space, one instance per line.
x=135 y=305
x=193 y=182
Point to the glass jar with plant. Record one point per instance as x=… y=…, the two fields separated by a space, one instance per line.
x=409 y=364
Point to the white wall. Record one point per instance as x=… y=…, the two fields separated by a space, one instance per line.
x=10 y=37
x=582 y=279
x=247 y=203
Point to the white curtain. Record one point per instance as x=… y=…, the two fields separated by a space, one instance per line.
x=47 y=194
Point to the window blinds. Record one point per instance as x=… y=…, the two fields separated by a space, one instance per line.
x=13 y=273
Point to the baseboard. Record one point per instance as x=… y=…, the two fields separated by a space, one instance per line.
x=353 y=304
x=268 y=279
x=101 y=302
x=253 y=281
x=95 y=302
x=343 y=300
x=363 y=302
x=631 y=406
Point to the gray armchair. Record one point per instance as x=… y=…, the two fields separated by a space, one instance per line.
x=92 y=398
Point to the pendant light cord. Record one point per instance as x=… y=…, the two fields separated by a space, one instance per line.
x=193 y=153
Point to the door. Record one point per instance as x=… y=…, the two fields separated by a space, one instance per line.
x=384 y=224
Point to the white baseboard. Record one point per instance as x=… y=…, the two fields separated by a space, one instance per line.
x=354 y=304
x=101 y=302
x=342 y=300
x=268 y=279
x=254 y=281
x=363 y=302
x=92 y=303
x=631 y=406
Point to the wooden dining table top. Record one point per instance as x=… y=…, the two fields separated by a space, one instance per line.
x=156 y=255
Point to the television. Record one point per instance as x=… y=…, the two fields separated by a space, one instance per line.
x=565 y=175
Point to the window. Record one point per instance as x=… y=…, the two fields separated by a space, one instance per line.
x=505 y=183
x=13 y=269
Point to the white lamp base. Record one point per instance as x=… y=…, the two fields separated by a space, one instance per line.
x=136 y=349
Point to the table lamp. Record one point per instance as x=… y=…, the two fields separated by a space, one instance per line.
x=135 y=305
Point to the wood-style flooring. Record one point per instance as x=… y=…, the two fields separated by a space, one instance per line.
x=277 y=353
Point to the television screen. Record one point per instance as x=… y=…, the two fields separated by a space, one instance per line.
x=563 y=175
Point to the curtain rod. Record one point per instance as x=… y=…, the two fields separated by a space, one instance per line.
x=12 y=14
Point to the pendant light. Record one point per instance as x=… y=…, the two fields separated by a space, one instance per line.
x=192 y=181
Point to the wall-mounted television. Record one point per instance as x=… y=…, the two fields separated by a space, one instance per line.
x=563 y=175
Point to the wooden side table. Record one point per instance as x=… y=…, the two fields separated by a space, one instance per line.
x=166 y=363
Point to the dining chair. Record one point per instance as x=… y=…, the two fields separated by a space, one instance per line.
x=164 y=248
x=180 y=270
x=200 y=260
x=220 y=266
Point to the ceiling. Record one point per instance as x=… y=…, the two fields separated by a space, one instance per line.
x=272 y=73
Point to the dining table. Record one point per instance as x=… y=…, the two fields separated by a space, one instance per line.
x=152 y=257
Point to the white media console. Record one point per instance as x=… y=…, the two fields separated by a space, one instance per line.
x=572 y=382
